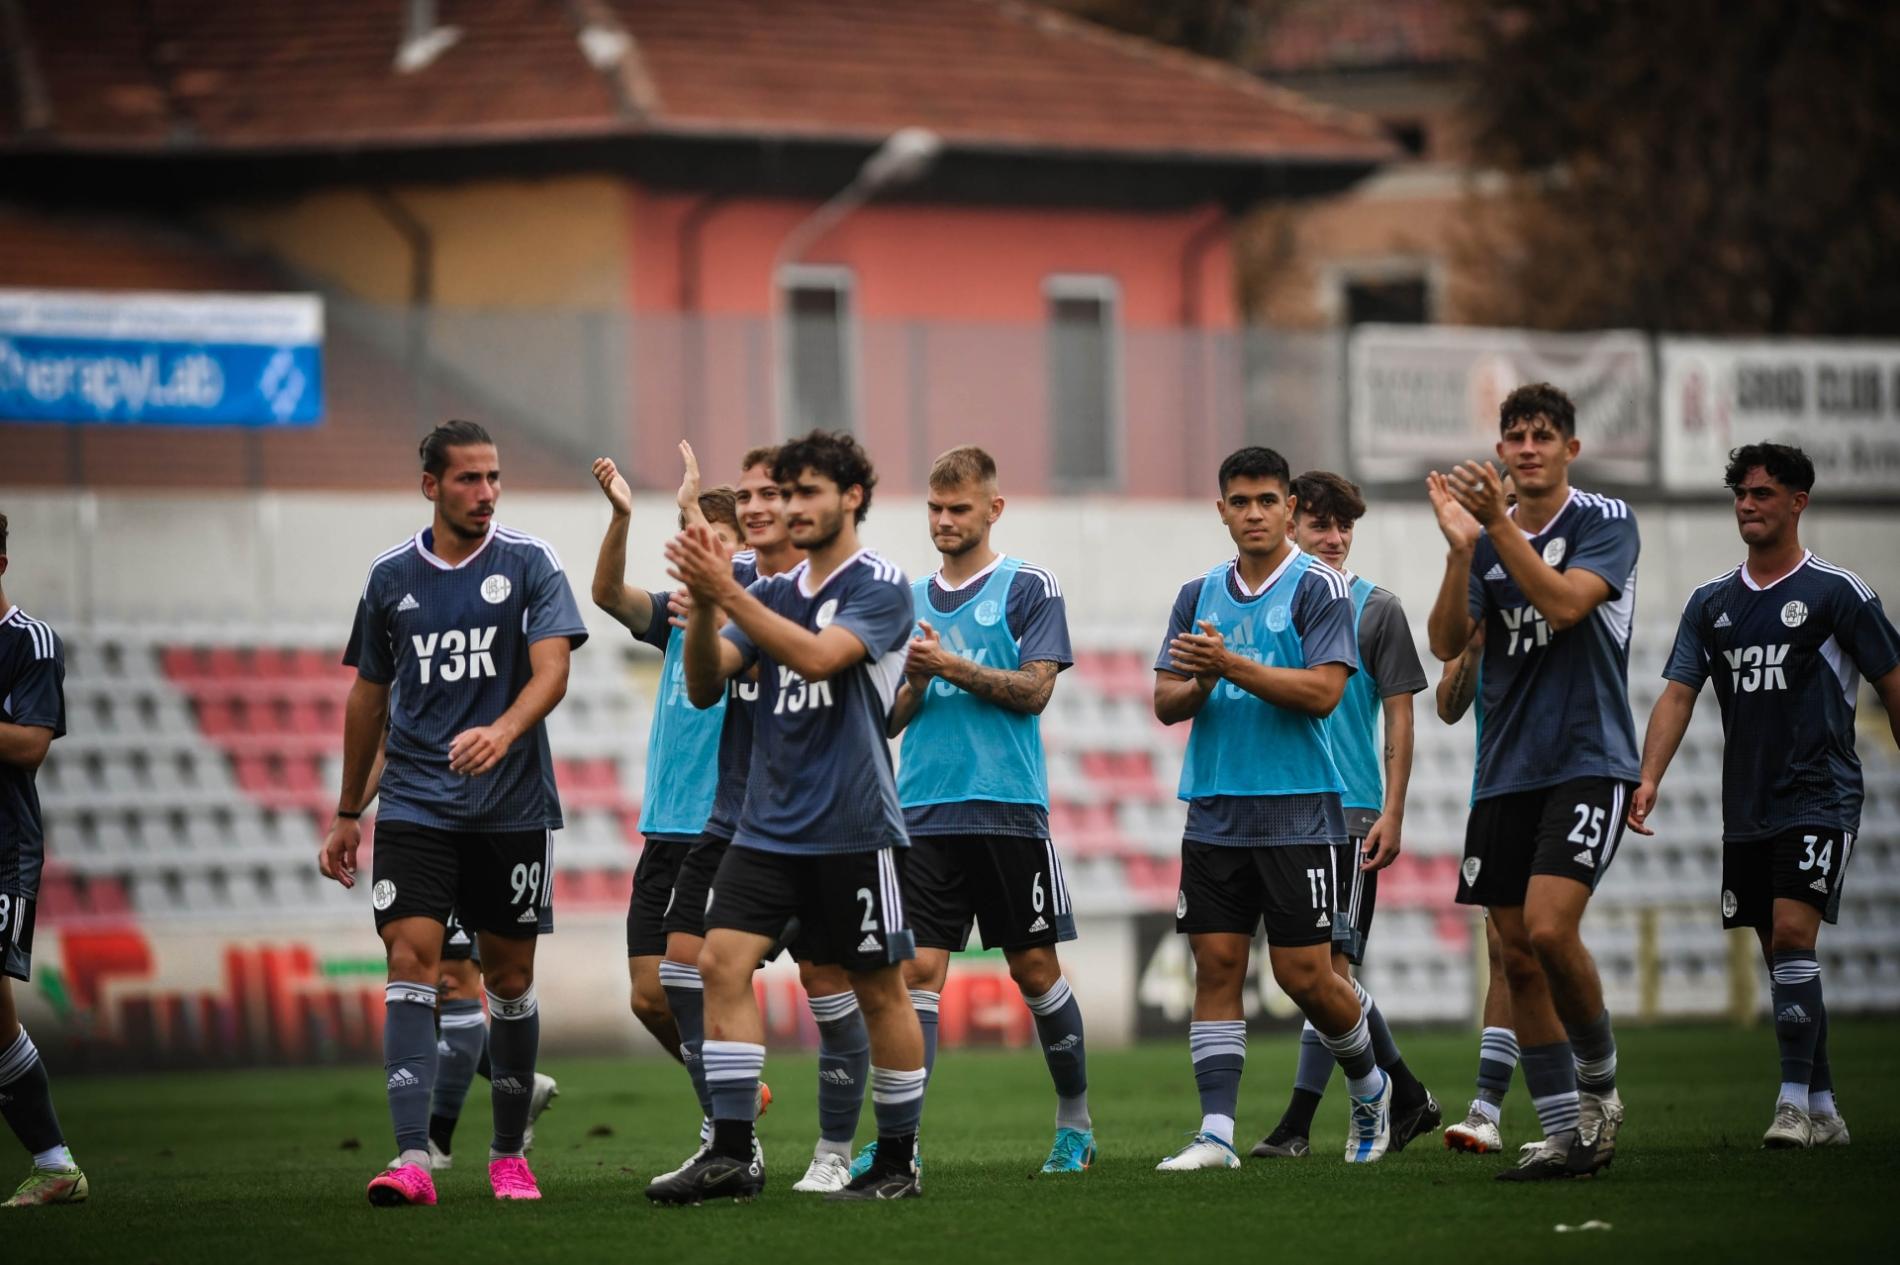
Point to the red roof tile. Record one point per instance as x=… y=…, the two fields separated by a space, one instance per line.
x=234 y=75
x=1320 y=35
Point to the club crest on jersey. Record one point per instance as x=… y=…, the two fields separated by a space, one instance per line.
x=1277 y=618
x=988 y=612
x=1729 y=903
x=496 y=588
x=1794 y=614
x=1555 y=550
x=383 y=895
x=1470 y=870
x=826 y=613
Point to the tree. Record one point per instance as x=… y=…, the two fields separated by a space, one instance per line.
x=1698 y=165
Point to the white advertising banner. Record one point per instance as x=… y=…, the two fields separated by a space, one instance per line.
x=1424 y=396
x=1839 y=401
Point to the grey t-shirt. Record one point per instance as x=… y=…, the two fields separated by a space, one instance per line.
x=1388 y=659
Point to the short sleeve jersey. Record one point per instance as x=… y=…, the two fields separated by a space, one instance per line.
x=1321 y=618
x=32 y=692
x=452 y=642
x=1787 y=660
x=1556 y=704
x=688 y=765
x=1038 y=621
x=822 y=779
x=1388 y=666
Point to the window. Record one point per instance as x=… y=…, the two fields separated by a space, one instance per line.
x=819 y=383
x=1393 y=300
x=1084 y=383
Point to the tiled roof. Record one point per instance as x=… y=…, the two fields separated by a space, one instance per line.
x=1320 y=35
x=235 y=75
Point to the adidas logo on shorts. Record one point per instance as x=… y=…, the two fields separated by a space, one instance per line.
x=869 y=945
x=1496 y=572
x=1323 y=920
x=408 y=603
x=1039 y=925
x=1722 y=620
x=1584 y=859
x=1819 y=885
x=528 y=915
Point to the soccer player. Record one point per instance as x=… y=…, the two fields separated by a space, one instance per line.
x=461 y=646
x=32 y=714
x=1328 y=506
x=1257 y=655
x=1786 y=638
x=1552 y=580
x=992 y=633
x=1478 y=1133
x=817 y=835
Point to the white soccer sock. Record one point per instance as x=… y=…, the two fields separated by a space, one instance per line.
x=54 y=1157
x=1793 y=1093
x=1221 y=1127
x=1491 y=1111
x=1821 y=1103
x=840 y=1149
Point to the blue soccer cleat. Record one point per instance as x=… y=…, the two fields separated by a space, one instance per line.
x=1073 y=1152
x=868 y=1156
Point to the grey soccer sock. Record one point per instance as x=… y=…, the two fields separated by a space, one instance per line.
x=686 y=998
x=26 y=1097
x=1407 y=1092
x=1497 y=1057
x=1595 y=1048
x=1059 y=1030
x=514 y=1040
x=464 y=1037
x=1353 y=1049
x=897 y=1100
x=844 y=1064
x=732 y=1082
x=1799 y=1013
x=1550 y=1073
x=925 y=1003
x=409 y=1060
x=1315 y=1069
x=1219 y=1050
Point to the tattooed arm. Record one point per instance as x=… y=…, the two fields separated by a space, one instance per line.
x=1459 y=684
x=1025 y=689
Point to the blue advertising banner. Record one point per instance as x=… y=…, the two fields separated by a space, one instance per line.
x=159 y=358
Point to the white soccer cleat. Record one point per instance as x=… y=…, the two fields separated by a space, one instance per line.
x=828 y=1172
x=1369 y=1128
x=1204 y=1151
x=1599 y=1117
x=1829 y=1130
x=1791 y=1131
x=543 y=1096
x=440 y=1161
x=1478 y=1134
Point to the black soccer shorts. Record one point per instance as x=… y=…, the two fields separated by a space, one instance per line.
x=498 y=881
x=1807 y=863
x=1010 y=885
x=692 y=887
x=1358 y=893
x=16 y=932
x=653 y=880
x=1226 y=888
x=1571 y=829
x=849 y=904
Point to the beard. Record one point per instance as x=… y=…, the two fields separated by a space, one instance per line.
x=961 y=546
x=824 y=529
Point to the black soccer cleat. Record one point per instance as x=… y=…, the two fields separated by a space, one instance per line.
x=710 y=1176
x=1282 y=1143
x=1415 y=1121
x=1541 y=1162
x=902 y=1183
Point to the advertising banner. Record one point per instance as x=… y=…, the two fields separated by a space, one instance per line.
x=1425 y=396
x=1838 y=401
x=158 y=358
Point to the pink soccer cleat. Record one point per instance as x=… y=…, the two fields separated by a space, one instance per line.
x=511 y=1179
x=403 y=1185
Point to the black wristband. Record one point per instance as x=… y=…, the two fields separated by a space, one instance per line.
x=349 y=816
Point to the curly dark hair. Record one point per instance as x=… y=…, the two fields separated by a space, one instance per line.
x=1255 y=463
x=1538 y=399
x=833 y=454
x=1785 y=464
x=1323 y=494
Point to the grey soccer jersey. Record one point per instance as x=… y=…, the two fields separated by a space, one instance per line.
x=452 y=644
x=821 y=777
x=32 y=692
x=1556 y=704
x=1787 y=661
x=735 y=731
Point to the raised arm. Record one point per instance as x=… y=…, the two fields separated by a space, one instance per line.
x=708 y=659
x=1564 y=598
x=1450 y=625
x=1668 y=722
x=632 y=606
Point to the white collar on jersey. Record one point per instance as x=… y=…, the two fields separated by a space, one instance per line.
x=937 y=576
x=1512 y=514
x=1749 y=580
x=439 y=564
x=802 y=574
x=1233 y=569
x=8 y=613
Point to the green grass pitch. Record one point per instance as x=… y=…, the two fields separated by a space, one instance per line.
x=230 y=1168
